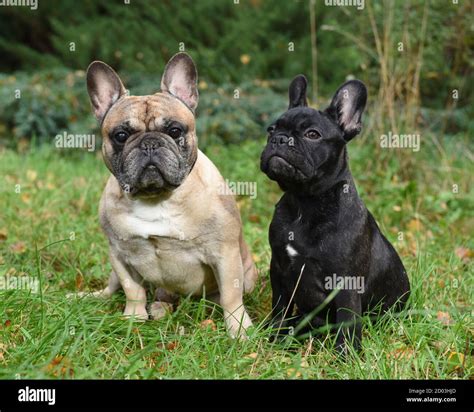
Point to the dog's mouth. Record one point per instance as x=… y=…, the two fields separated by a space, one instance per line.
x=152 y=181
x=278 y=168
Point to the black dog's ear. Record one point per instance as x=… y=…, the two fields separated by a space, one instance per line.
x=347 y=106
x=104 y=87
x=180 y=79
x=297 y=92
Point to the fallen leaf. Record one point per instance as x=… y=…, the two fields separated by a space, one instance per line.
x=60 y=366
x=444 y=318
x=415 y=225
x=7 y=323
x=208 y=323
x=25 y=198
x=254 y=218
x=402 y=353
x=172 y=345
x=31 y=175
x=18 y=247
x=251 y=355
x=3 y=234
x=293 y=373
x=455 y=361
x=464 y=253
x=79 y=281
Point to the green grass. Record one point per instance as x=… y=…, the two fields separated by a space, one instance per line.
x=46 y=335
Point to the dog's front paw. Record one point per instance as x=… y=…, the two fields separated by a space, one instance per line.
x=238 y=329
x=135 y=310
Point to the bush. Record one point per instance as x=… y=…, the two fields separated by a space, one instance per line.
x=54 y=101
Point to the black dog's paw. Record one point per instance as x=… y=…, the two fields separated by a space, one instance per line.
x=345 y=347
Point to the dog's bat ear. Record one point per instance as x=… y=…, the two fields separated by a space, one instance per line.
x=347 y=106
x=297 y=92
x=180 y=79
x=104 y=87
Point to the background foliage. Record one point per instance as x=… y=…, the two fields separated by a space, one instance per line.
x=238 y=46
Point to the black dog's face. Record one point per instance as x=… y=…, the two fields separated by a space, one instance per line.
x=304 y=144
x=300 y=144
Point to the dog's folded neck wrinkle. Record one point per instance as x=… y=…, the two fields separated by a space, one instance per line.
x=339 y=174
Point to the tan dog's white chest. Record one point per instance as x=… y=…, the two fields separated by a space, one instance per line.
x=164 y=248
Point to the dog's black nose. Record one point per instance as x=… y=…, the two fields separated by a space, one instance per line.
x=280 y=139
x=149 y=145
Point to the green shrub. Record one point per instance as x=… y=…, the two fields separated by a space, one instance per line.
x=54 y=101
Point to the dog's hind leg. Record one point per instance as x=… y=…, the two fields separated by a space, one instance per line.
x=107 y=292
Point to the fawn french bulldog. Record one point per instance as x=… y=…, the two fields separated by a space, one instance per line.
x=168 y=224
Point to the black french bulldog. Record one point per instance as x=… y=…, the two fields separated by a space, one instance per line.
x=322 y=236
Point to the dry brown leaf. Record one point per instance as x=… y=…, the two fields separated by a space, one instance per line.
x=172 y=345
x=455 y=360
x=251 y=355
x=402 y=353
x=444 y=318
x=18 y=247
x=60 y=366
x=25 y=198
x=79 y=281
x=415 y=225
x=464 y=253
x=3 y=234
x=31 y=175
x=254 y=218
x=208 y=323
x=293 y=373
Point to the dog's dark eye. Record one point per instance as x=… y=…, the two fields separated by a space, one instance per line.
x=270 y=129
x=312 y=134
x=121 y=136
x=175 y=132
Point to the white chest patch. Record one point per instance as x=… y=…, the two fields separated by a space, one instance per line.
x=157 y=220
x=291 y=251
